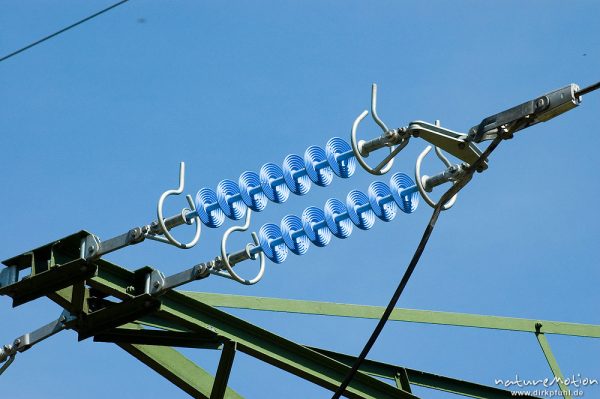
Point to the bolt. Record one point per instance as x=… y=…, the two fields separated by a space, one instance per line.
x=462 y=145
x=62 y=319
x=156 y=284
x=91 y=250
x=17 y=342
x=130 y=290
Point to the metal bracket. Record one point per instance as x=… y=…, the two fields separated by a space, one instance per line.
x=159 y=283
x=450 y=141
x=115 y=315
x=529 y=113
x=9 y=275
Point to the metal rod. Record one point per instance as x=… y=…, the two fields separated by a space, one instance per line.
x=299 y=173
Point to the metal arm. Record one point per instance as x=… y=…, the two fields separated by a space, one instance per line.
x=26 y=341
x=92 y=247
x=158 y=283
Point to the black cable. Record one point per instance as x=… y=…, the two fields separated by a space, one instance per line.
x=413 y=263
x=62 y=30
x=588 y=89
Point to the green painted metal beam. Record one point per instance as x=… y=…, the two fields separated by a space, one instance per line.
x=194 y=315
x=399 y=314
x=223 y=371
x=165 y=360
x=178 y=369
x=423 y=379
x=545 y=345
x=193 y=312
x=401 y=378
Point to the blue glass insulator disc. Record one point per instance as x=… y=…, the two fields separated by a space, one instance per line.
x=377 y=191
x=236 y=209
x=267 y=233
x=354 y=200
x=343 y=168
x=213 y=218
x=249 y=181
x=299 y=244
x=398 y=182
x=320 y=236
x=299 y=185
x=278 y=193
x=312 y=156
x=334 y=207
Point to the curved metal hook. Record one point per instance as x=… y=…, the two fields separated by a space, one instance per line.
x=419 y=180
x=6 y=365
x=384 y=166
x=225 y=258
x=159 y=212
x=374 y=109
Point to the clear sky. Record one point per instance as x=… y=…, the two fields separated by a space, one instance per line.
x=95 y=122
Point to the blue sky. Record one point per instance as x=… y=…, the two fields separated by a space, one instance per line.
x=95 y=122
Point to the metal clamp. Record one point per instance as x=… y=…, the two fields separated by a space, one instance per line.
x=425 y=183
x=164 y=228
x=227 y=262
x=388 y=139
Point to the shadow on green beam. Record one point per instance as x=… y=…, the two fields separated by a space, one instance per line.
x=399 y=314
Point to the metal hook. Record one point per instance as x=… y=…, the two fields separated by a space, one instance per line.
x=225 y=258
x=357 y=147
x=11 y=359
x=159 y=211
x=421 y=181
x=374 y=109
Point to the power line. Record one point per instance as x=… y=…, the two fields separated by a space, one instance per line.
x=412 y=265
x=588 y=89
x=62 y=30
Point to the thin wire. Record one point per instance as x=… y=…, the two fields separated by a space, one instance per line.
x=61 y=31
x=588 y=89
x=413 y=263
